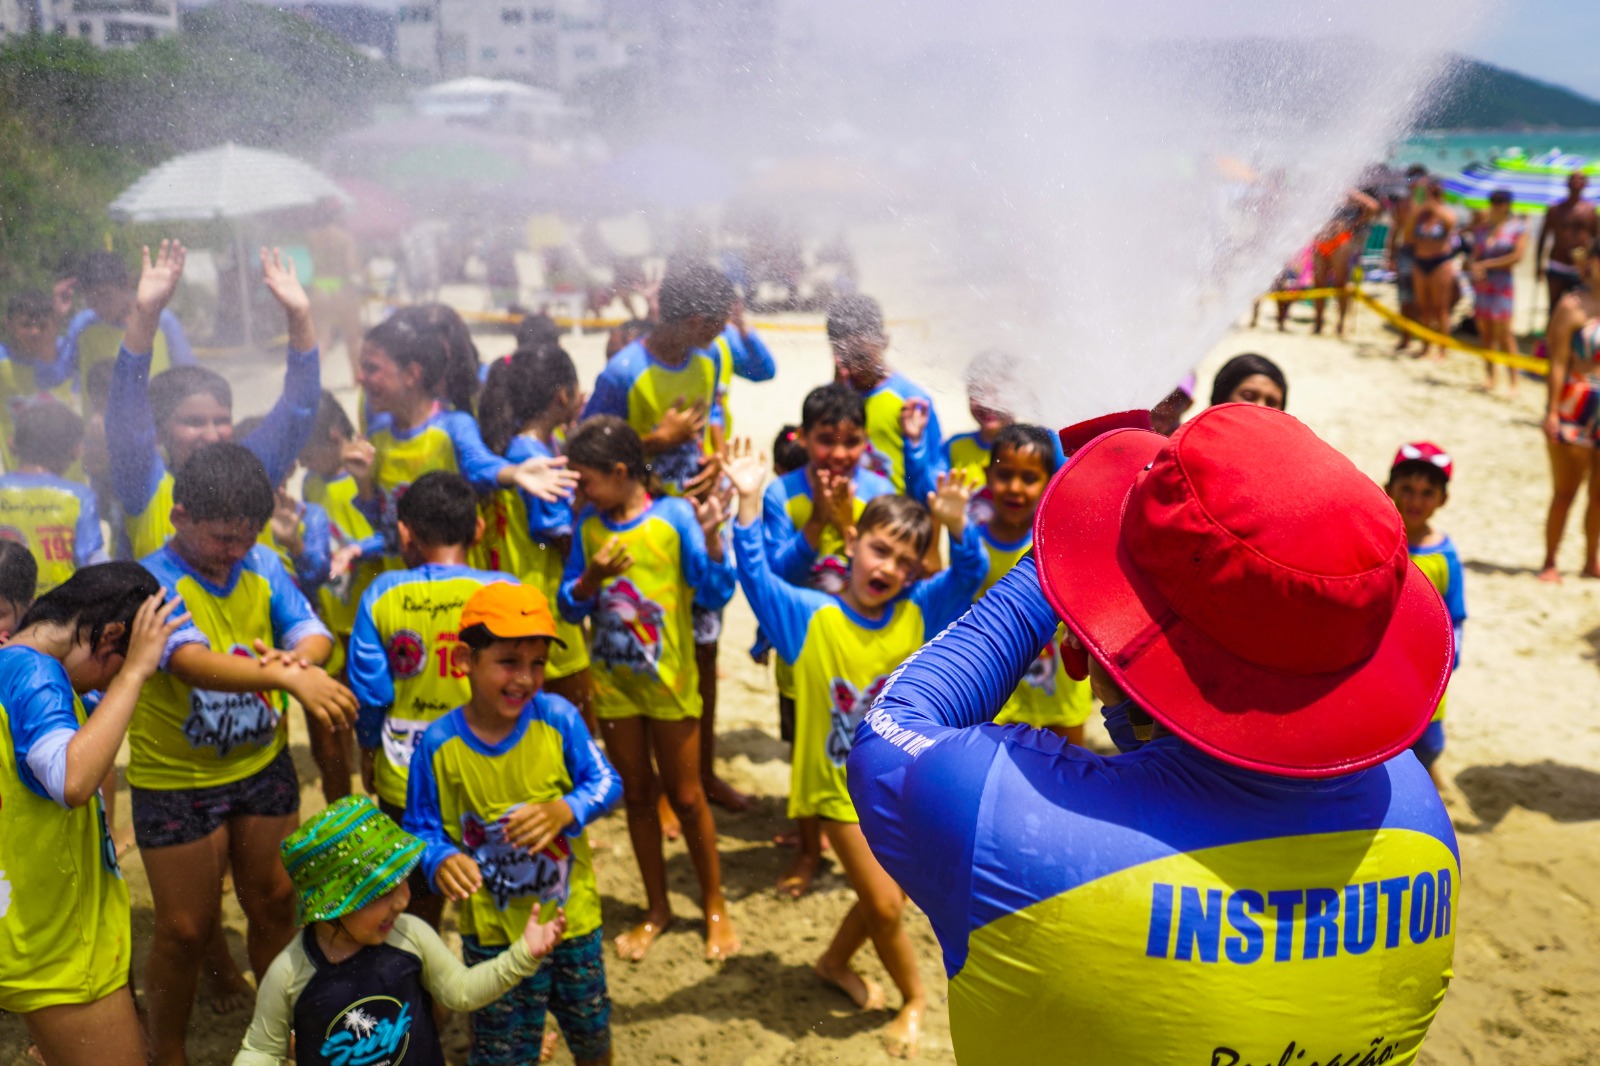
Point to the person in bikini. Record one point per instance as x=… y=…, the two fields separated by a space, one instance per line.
x=1568 y=227
x=1434 y=248
x=1402 y=257
x=1573 y=413
x=1336 y=248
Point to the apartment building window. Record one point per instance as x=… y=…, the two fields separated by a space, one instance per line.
x=511 y=16
x=85 y=29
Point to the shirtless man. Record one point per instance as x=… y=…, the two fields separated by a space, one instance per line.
x=1568 y=225
x=1401 y=256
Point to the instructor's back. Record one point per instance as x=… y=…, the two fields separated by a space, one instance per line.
x=1265 y=875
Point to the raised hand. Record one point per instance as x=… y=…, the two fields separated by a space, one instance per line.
x=535 y=825
x=610 y=561
x=948 y=502
x=705 y=481
x=343 y=560
x=544 y=478
x=542 y=937
x=914 y=416
x=156 y=620
x=285 y=522
x=745 y=467
x=284 y=284
x=680 y=424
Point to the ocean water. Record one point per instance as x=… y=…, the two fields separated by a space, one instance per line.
x=1450 y=152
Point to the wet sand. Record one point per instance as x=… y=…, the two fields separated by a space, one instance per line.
x=1523 y=762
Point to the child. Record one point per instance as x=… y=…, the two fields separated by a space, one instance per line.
x=1419 y=484
x=209 y=768
x=902 y=425
x=357 y=551
x=299 y=533
x=1023 y=461
x=419 y=398
x=537 y=397
x=737 y=350
x=638 y=565
x=19 y=580
x=65 y=928
x=991 y=388
x=359 y=983
x=187 y=406
x=501 y=789
x=806 y=518
x=843 y=648
x=402 y=666
x=33 y=364
x=94 y=334
x=54 y=518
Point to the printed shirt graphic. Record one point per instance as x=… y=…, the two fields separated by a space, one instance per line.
x=518 y=531
x=449 y=441
x=195 y=738
x=842 y=660
x=462 y=789
x=400 y=665
x=912 y=471
x=1441 y=565
x=56 y=520
x=1228 y=917
x=337 y=599
x=1045 y=696
x=637 y=387
x=369 y=1010
x=64 y=935
x=641 y=627
x=968 y=452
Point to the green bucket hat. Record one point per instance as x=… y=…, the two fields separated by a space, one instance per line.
x=345 y=858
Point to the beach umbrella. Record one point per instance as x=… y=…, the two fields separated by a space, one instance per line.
x=1531 y=190
x=229 y=182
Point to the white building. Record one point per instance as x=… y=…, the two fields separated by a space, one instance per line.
x=16 y=17
x=552 y=43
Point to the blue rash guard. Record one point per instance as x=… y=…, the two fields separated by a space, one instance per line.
x=743 y=354
x=912 y=468
x=1157 y=906
x=638 y=388
x=785 y=509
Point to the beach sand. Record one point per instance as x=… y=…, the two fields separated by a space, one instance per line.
x=1523 y=761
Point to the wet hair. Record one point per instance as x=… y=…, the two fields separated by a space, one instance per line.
x=170 y=388
x=1407 y=467
x=224 y=482
x=93 y=599
x=19 y=573
x=440 y=509
x=462 y=363
x=97 y=384
x=603 y=441
x=1500 y=196
x=691 y=289
x=537 y=329
x=48 y=434
x=853 y=316
x=410 y=337
x=331 y=418
x=104 y=268
x=832 y=404
x=1246 y=365
x=991 y=369
x=31 y=303
x=900 y=517
x=1021 y=437
x=521 y=387
x=788 y=454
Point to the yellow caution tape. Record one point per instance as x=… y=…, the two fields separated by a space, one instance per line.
x=1290 y=295
x=1517 y=362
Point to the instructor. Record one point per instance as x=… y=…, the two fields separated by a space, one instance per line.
x=1265 y=875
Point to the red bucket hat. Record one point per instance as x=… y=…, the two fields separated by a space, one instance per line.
x=1250 y=588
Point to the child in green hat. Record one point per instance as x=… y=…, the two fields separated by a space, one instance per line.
x=360 y=981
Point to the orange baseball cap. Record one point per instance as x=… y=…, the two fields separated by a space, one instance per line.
x=510 y=612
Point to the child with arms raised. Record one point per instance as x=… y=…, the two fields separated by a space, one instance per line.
x=638 y=566
x=501 y=789
x=403 y=667
x=843 y=648
x=358 y=984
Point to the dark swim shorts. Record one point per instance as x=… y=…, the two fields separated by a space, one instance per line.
x=163 y=818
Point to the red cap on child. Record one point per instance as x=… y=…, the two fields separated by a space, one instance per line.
x=1424 y=452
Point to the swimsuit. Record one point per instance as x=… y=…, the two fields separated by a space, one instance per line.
x=1433 y=231
x=1579 y=410
x=1493 y=295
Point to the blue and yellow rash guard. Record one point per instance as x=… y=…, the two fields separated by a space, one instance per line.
x=462 y=789
x=337 y=599
x=56 y=520
x=401 y=666
x=786 y=508
x=24 y=383
x=520 y=534
x=638 y=388
x=970 y=453
x=446 y=440
x=1046 y=696
x=744 y=354
x=139 y=476
x=1441 y=565
x=196 y=738
x=641 y=624
x=841 y=660
x=90 y=340
x=64 y=935
x=1157 y=906
x=912 y=470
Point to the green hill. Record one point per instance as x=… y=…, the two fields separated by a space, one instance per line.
x=1479 y=96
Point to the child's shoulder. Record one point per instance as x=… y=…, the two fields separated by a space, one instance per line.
x=1439 y=543
x=870 y=485
x=547 y=706
x=901 y=385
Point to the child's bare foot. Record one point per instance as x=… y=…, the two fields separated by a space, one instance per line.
x=864 y=992
x=671 y=828
x=721 y=941
x=725 y=795
x=552 y=1037
x=1550 y=575
x=901 y=1036
x=1589 y=571
x=228 y=991
x=35 y=1055
x=635 y=944
x=796 y=880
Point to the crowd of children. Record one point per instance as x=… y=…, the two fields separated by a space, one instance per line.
x=510 y=596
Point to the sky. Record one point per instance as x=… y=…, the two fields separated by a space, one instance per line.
x=1553 y=40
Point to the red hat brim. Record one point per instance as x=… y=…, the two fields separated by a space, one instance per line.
x=1292 y=725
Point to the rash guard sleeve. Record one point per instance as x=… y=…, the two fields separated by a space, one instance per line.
x=136 y=466
x=283 y=433
x=478 y=464
x=789 y=554
x=596 y=786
